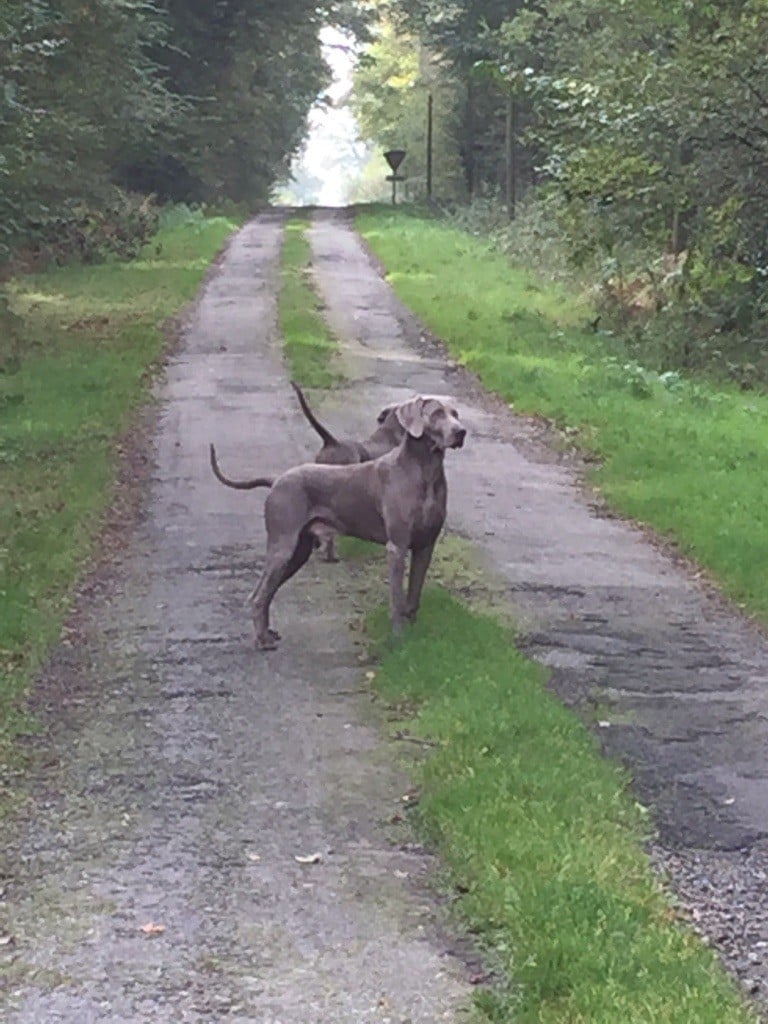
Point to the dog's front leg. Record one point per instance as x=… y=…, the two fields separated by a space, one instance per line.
x=420 y=559
x=396 y=555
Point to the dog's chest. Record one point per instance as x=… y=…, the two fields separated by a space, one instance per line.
x=429 y=513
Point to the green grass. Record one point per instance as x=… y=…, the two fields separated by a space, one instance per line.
x=91 y=336
x=684 y=456
x=539 y=834
x=309 y=344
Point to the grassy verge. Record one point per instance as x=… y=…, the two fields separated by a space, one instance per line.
x=540 y=836
x=685 y=457
x=309 y=344
x=91 y=336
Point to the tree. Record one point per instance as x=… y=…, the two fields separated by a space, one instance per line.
x=393 y=81
x=189 y=100
x=76 y=86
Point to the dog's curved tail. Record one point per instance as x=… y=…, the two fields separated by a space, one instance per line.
x=240 y=485
x=326 y=435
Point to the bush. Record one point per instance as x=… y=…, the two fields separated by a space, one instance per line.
x=704 y=310
x=118 y=224
x=536 y=237
x=89 y=233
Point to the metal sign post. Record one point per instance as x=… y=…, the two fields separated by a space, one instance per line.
x=394 y=158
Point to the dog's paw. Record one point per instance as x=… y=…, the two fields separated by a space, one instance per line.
x=267 y=642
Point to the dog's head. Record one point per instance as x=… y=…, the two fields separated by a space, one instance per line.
x=387 y=412
x=433 y=417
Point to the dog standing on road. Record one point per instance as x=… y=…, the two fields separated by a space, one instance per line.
x=398 y=500
x=346 y=452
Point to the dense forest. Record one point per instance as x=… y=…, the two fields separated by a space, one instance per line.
x=631 y=138
x=634 y=134
x=106 y=102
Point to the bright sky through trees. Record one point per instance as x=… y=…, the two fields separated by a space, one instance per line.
x=333 y=156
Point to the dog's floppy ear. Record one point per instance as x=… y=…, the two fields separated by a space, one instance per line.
x=384 y=413
x=410 y=416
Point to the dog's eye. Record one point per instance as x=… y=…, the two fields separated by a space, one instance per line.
x=454 y=413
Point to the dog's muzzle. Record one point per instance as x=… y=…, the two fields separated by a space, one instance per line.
x=458 y=439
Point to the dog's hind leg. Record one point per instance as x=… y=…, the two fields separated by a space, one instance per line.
x=281 y=563
x=330 y=549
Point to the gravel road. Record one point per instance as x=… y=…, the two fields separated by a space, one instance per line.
x=152 y=875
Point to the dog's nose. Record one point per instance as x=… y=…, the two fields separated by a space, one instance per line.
x=460 y=435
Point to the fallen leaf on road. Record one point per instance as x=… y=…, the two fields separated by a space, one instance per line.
x=401 y=874
x=254 y=856
x=151 y=928
x=6 y=940
x=309 y=858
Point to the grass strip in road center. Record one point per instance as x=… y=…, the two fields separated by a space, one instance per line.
x=309 y=344
x=539 y=835
x=687 y=457
x=90 y=336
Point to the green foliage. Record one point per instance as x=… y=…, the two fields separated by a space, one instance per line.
x=392 y=84
x=540 y=837
x=649 y=123
x=181 y=99
x=59 y=140
x=681 y=455
x=87 y=339
x=248 y=72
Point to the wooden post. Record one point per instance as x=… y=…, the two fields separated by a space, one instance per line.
x=469 y=140
x=510 y=156
x=429 y=146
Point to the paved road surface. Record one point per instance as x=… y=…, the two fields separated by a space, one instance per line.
x=187 y=772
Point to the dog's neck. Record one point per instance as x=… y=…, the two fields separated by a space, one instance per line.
x=426 y=453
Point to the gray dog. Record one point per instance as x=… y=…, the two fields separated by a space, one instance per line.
x=398 y=499
x=387 y=436
x=346 y=452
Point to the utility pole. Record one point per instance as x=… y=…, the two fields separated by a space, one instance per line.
x=510 y=155
x=429 y=146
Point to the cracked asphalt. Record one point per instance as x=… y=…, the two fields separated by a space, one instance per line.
x=181 y=773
